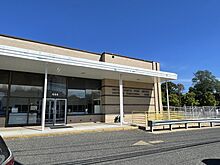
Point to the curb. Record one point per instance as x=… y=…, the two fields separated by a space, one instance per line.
x=69 y=132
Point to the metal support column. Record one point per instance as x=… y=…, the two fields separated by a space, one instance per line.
x=168 y=101
x=44 y=100
x=121 y=99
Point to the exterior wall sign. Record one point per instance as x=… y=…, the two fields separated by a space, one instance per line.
x=132 y=92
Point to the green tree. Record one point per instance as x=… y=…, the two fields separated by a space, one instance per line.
x=217 y=98
x=205 y=91
x=208 y=99
x=174 y=100
x=217 y=86
x=205 y=85
x=204 y=81
x=175 y=93
x=180 y=88
x=172 y=87
x=190 y=100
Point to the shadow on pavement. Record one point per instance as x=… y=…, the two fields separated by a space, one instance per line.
x=211 y=161
x=17 y=163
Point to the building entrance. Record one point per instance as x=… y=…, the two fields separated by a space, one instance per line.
x=56 y=111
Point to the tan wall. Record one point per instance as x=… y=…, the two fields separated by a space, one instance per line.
x=128 y=100
x=47 y=48
x=114 y=109
x=157 y=90
x=110 y=82
x=138 y=102
x=2 y=121
x=9 y=41
x=85 y=118
x=126 y=61
x=110 y=117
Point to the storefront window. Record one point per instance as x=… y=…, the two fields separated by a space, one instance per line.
x=18 y=111
x=24 y=110
x=3 y=98
x=76 y=101
x=3 y=91
x=56 y=86
x=83 y=96
x=26 y=85
x=27 y=91
x=25 y=98
x=35 y=109
x=3 y=104
x=93 y=100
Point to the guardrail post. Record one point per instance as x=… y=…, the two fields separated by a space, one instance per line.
x=186 y=125
x=132 y=113
x=171 y=127
x=146 y=121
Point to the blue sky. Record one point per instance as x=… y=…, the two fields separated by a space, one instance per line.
x=183 y=35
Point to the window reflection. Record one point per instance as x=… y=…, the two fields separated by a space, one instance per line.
x=18 y=111
x=3 y=98
x=56 y=86
x=3 y=91
x=35 y=109
x=93 y=100
x=3 y=105
x=27 y=91
x=84 y=96
x=25 y=98
x=83 y=101
x=76 y=101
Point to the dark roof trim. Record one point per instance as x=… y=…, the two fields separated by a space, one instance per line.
x=65 y=47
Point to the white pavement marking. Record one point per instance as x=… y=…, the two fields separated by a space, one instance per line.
x=141 y=143
x=156 y=141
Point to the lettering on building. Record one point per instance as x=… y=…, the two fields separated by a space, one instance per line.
x=131 y=92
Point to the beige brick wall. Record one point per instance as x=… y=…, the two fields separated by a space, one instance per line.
x=111 y=58
x=110 y=82
x=138 y=102
x=114 y=109
x=128 y=100
x=20 y=43
x=157 y=90
x=47 y=48
x=85 y=118
x=105 y=57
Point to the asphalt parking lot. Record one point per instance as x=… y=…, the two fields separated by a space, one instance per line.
x=121 y=147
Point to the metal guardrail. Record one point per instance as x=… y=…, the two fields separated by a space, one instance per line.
x=141 y=118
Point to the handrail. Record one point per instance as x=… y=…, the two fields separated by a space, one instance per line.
x=186 y=112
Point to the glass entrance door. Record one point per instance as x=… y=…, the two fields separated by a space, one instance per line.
x=60 y=117
x=56 y=111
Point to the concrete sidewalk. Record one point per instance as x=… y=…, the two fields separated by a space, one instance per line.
x=34 y=131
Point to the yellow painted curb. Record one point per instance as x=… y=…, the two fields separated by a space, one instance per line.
x=69 y=132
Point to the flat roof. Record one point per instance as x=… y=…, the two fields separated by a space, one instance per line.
x=70 y=48
x=35 y=61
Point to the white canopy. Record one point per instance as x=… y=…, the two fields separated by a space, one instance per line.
x=19 y=59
